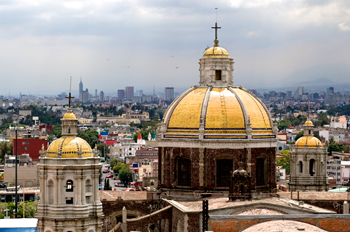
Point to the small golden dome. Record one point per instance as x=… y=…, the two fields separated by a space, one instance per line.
x=309 y=123
x=70 y=147
x=310 y=141
x=216 y=52
x=69 y=116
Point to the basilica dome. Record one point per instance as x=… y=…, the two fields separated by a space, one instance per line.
x=224 y=113
x=308 y=141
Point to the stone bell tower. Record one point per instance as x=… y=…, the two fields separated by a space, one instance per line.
x=69 y=179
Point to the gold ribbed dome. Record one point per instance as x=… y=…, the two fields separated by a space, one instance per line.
x=224 y=111
x=216 y=52
x=69 y=115
x=309 y=123
x=310 y=141
x=69 y=148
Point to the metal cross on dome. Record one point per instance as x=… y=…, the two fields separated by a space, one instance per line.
x=216 y=30
x=70 y=92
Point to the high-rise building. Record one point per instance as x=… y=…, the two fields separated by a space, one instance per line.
x=84 y=96
x=121 y=94
x=80 y=86
x=299 y=92
x=330 y=90
x=169 y=94
x=139 y=92
x=289 y=94
x=96 y=93
x=129 y=92
x=102 y=96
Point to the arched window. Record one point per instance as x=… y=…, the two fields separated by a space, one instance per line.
x=69 y=186
x=312 y=167
x=223 y=169
x=301 y=166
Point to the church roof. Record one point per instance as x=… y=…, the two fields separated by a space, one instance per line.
x=308 y=141
x=225 y=113
x=69 y=147
x=216 y=52
x=69 y=115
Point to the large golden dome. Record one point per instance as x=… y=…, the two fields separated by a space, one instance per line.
x=216 y=52
x=69 y=147
x=309 y=141
x=223 y=112
x=69 y=115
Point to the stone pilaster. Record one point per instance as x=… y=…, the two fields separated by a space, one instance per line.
x=201 y=166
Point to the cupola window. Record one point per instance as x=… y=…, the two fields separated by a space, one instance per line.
x=218 y=75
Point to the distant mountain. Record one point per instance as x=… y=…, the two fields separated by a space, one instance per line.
x=318 y=82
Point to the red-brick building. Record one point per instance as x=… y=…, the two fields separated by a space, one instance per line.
x=30 y=146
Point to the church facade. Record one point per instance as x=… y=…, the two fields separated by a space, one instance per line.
x=209 y=127
x=69 y=183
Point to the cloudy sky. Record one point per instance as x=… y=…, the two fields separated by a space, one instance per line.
x=114 y=43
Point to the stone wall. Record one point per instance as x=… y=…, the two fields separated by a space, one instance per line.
x=113 y=210
x=331 y=223
x=203 y=166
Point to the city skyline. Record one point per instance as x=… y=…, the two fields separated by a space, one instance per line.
x=138 y=42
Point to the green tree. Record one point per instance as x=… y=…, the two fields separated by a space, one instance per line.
x=285 y=161
x=107 y=185
x=113 y=163
x=283 y=124
x=57 y=130
x=5 y=148
x=125 y=174
x=103 y=148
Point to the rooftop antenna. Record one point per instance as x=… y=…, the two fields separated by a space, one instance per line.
x=70 y=93
x=216 y=41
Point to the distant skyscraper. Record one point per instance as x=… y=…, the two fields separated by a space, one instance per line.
x=330 y=90
x=95 y=92
x=129 y=92
x=169 y=94
x=299 y=92
x=102 y=96
x=139 y=92
x=121 y=94
x=84 y=96
x=80 y=86
x=289 y=94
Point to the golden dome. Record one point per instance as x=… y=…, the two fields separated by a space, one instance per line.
x=310 y=141
x=309 y=123
x=216 y=52
x=69 y=148
x=224 y=111
x=69 y=115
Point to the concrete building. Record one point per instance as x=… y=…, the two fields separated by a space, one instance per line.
x=84 y=96
x=121 y=94
x=69 y=197
x=80 y=86
x=308 y=167
x=30 y=145
x=298 y=94
x=169 y=94
x=102 y=96
x=129 y=92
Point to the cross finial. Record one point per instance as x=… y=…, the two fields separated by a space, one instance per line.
x=70 y=92
x=216 y=41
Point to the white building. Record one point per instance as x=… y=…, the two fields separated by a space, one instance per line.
x=69 y=181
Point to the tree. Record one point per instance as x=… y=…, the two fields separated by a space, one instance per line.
x=125 y=174
x=113 y=163
x=335 y=147
x=285 y=161
x=283 y=124
x=57 y=130
x=5 y=148
x=107 y=185
x=103 y=148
